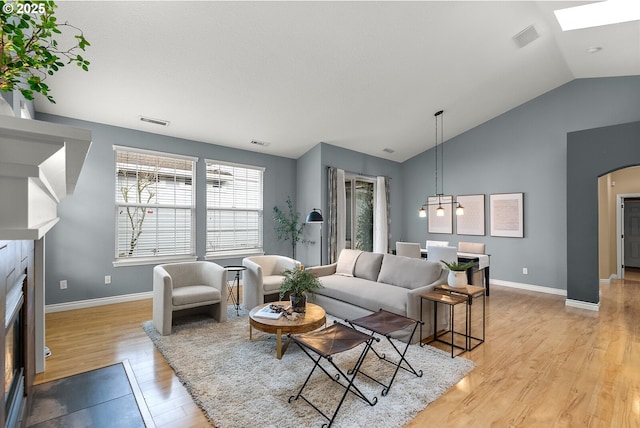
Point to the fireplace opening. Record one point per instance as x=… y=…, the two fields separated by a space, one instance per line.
x=14 y=354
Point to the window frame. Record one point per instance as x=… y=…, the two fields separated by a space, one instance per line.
x=191 y=207
x=234 y=252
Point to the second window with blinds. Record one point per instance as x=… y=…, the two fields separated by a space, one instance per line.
x=234 y=209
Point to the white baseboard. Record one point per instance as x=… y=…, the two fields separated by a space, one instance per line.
x=582 y=305
x=82 y=304
x=530 y=287
x=537 y=288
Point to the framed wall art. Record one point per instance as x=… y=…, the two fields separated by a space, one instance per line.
x=507 y=214
x=437 y=224
x=472 y=222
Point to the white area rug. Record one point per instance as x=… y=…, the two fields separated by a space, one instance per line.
x=241 y=383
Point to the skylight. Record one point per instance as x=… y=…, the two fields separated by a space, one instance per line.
x=597 y=14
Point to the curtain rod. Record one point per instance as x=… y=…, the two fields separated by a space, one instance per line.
x=362 y=174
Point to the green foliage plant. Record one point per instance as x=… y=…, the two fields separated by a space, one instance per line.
x=457 y=266
x=288 y=226
x=29 y=49
x=298 y=282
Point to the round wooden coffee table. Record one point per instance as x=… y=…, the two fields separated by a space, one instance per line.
x=312 y=319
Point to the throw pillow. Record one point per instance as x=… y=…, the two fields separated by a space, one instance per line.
x=347 y=262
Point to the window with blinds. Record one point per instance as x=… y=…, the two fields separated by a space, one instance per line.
x=155 y=205
x=234 y=209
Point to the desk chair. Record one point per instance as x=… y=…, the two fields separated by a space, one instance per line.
x=408 y=249
x=471 y=247
x=438 y=254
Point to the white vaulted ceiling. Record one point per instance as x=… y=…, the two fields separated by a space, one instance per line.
x=360 y=75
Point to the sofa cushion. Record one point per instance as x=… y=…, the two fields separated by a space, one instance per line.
x=271 y=283
x=408 y=272
x=347 y=262
x=194 y=294
x=368 y=266
x=364 y=293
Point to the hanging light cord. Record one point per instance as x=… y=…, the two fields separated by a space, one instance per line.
x=439 y=113
x=436 y=116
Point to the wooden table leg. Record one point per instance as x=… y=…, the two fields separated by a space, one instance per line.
x=279 y=343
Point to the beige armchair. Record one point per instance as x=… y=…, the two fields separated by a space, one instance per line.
x=179 y=286
x=263 y=277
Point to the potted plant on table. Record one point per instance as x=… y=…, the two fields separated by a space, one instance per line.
x=457 y=273
x=298 y=282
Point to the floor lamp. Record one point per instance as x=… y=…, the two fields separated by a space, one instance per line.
x=315 y=216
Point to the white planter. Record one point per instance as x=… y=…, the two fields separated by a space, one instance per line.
x=457 y=278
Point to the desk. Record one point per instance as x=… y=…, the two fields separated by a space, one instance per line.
x=471 y=257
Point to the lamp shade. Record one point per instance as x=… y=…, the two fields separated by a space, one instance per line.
x=315 y=216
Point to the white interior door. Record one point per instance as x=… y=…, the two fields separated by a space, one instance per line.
x=631 y=232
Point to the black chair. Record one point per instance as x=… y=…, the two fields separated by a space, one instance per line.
x=324 y=344
x=384 y=323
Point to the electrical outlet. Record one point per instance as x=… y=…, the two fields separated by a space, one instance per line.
x=525 y=271
x=63 y=284
x=107 y=279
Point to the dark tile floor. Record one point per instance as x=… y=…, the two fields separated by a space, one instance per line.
x=99 y=398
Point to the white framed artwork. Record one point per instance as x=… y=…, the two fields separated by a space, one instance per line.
x=507 y=214
x=472 y=221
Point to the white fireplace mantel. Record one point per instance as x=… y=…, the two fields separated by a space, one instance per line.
x=40 y=163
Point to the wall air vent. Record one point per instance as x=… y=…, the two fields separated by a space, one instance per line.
x=160 y=122
x=260 y=143
x=388 y=150
x=526 y=36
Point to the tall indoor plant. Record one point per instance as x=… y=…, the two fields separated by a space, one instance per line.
x=29 y=49
x=288 y=226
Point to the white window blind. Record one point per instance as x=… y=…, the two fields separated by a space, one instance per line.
x=234 y=209
x=155 y=205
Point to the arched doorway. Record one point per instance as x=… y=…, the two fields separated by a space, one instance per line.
x=591 y=154
x=618 y=223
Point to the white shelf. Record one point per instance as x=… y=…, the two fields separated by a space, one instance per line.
x=40 y=163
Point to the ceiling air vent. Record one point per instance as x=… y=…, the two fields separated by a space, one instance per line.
x=160 y=122
x=260 y=143
x=526 y=36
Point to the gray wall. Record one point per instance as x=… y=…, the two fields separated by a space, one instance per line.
x=590 y=154
x=309 y=196
x=523 y=150
x=313 y=185
x=80 y=248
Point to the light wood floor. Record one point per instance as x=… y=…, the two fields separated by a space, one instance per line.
x=543 y=364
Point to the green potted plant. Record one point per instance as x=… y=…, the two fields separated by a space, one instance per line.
x=288 y=227
x=457 y=273
x=29 y=49
x=298 y=282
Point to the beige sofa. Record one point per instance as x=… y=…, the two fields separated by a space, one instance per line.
x=362 y=282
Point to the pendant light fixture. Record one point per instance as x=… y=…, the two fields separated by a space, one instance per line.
x=440 y=211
